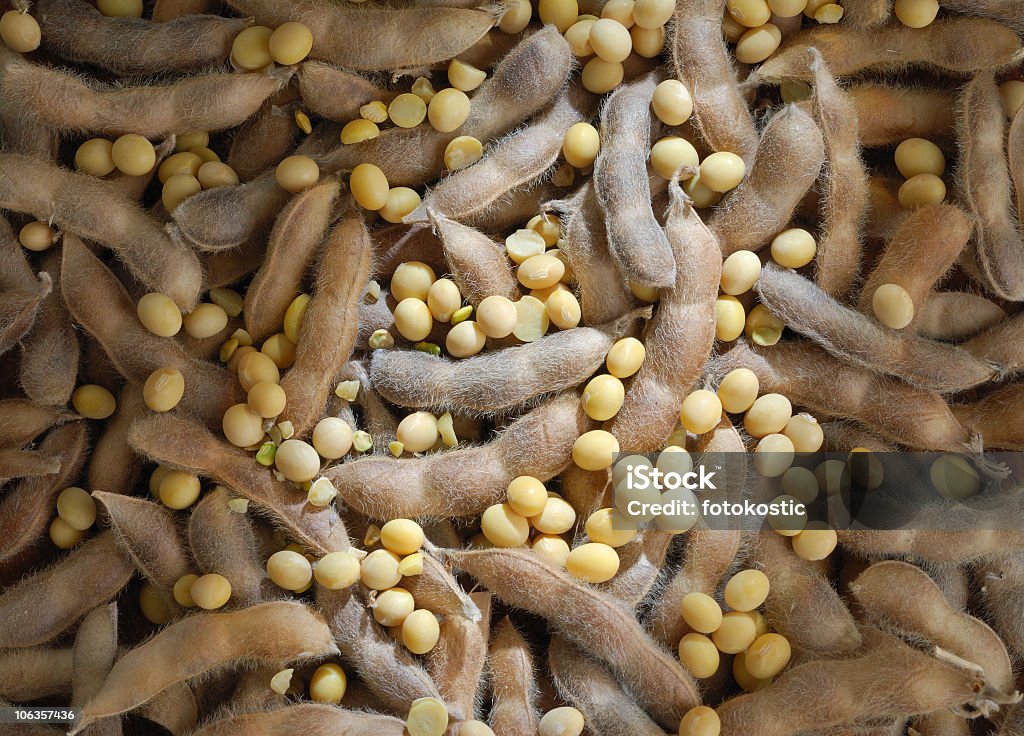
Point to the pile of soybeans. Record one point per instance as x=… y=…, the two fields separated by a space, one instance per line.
x=327 y=330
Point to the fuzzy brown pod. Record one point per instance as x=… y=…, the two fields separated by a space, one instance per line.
x=513 y=682
x=888 y=115
x=312 y=719
x=113 y=466
x=184 y=444
x=50 y=352
x=76 y=31
x=464 y=481
x=479 y=266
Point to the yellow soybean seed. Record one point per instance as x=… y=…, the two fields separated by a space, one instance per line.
x=758 y=44
x=251 y=48
x=578 y=37
x=185 y=162
x=581 y=144
x=701 y=411
x=517 y=17
x=443 y=300
x=619 y=10
x=412 y=280
x=557 y=516
x=418 y=431
x=413 y=320
x=527 y=496
x=337 y=570
x=563 y=721
x=183 y=591
x=465 y=77
x=523 y=244
x=503 y=527
x=359 y=130
x=699 y=655
x=773 y=455
x=539 y=272
x=736 y=633
x=475 y=728
x=595 y=450
x=701 y=612
x=420 y=632
x=767 y=656
x=738 y=390
x=242 y=426
x=1012 y=94
x=369 y=186
x=762 y=327
x=266 y=399
x=625 y=357
x=375 y=112
x=551 y=548
x=399 y=203
x=610 y=40
x=427 y=717
x=647 y=42
x=63 y=535
x=673 y=154
x=730 y=318
x=603 y=396
x=179 y=490
x=800 y=483
x=159 y=314
x=95 y=156
x=702 y=195
x=206 y=320
x=600 y=76
x=37 y=236
x=465 y=339
x=497 y=316
x=805 y=433
x=328 y=684
x=700 y=721
x=255 y=367
x=93 y=402
x=722 y=171
x=740 y=272
x=750 y=13
x=279 y=349
x=830 y=13
x=297 y=173
x=592 y=562
x=463 y=151
x=205 y=154
x=448 y=109
x=793 y=248
x=746 y=590
x=211 y=591
x=815 y=542
x=290 y=43
x=916 y=13
x=672 y=103
x=402 y=536
x=163 y=389
x=652 y=13
x=120 y=8
x=293 y=316
x=407 y=110
x=297 y=461
x=177 y=189
x=154 y=608
x=560 y=13
x=289 y=570
x=303 y=122
x=769 y=414
x=392 y=606
x=20 y=31
x=133 y=155
x=921 y=190
x=379 y=570
x=919 y=156
x=893 y=306
x=77 y=508
x=610 y=527
x=954 y=478
x=563 y=309
x=532 y=320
